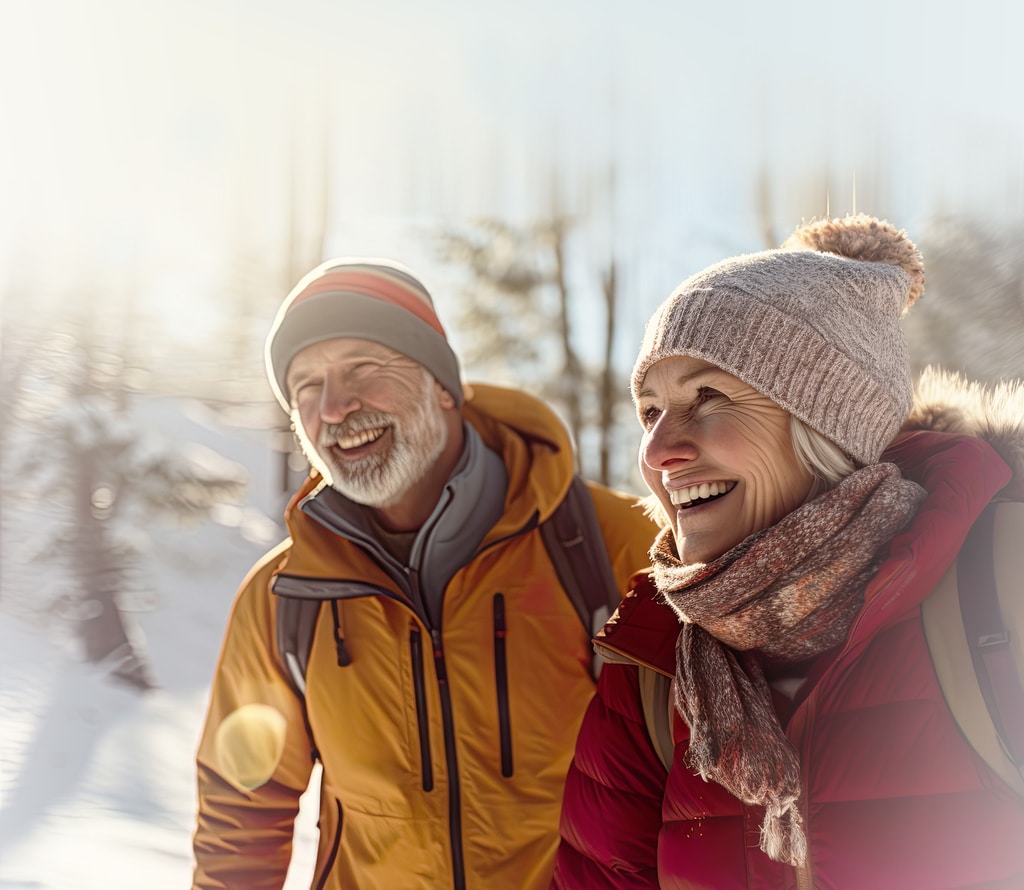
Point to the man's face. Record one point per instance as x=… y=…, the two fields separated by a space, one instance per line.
x=370 y=419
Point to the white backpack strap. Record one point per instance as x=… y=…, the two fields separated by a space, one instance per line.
x=656 y=698
x=951 y=651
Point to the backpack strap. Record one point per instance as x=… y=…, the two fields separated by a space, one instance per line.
x=977 y=684
x=987 y=633
x=296 y=621
x=656 y=701
x=575 y=545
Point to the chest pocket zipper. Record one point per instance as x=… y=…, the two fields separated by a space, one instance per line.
x=501 y=683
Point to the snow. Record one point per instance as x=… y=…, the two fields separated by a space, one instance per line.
x=97 y=782
x=157 y=147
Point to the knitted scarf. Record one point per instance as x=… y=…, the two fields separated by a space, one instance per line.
x=790 y=591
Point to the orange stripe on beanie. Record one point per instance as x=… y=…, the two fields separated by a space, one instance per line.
x=376 y=284
x=369 y=299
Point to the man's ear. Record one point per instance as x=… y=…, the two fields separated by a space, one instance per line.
x=444 y=397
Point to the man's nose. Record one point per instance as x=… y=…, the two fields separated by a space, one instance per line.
x=338 y=399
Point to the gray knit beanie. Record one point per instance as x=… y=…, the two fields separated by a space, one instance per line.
x=371 y=299
x=815 y=326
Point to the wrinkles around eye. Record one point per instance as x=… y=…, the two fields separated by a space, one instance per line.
x=305 y=388
x=648 y=416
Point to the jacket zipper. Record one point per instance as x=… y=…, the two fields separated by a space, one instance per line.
x=804 y=877
x=335 y=844
x=440 y=668
x=448 y=724
x=804 y=873
x=416 y=651
x=451 y=759
x=501 y=681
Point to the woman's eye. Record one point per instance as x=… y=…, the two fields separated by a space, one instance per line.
x=649 y=415
x=706 y=394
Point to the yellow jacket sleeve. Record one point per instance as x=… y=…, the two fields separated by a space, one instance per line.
x=255 y=756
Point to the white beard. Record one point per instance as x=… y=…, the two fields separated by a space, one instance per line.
x=383 y=478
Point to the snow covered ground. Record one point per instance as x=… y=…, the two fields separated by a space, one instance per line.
x=96 y=780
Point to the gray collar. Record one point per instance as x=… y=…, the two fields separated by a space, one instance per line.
x=470 y=504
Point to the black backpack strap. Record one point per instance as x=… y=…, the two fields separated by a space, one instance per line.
x=577 y=550
x=575 y=545
x=296 y=621
x=988 y=637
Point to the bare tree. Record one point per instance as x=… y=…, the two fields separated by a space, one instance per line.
x=522 y=321
x=609 y=394
x=515 y=308
x=260 y=279
x=818 y=193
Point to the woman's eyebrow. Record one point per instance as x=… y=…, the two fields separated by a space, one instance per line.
x=683 y=380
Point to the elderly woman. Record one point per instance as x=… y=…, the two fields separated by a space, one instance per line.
x=804 y=524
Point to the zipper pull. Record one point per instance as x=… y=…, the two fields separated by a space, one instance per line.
x=442 y=670
x=344 y=656
x=499 y=616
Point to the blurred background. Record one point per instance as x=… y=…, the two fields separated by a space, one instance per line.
x=551 y=170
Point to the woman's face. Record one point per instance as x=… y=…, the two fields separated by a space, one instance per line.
x=717 y=454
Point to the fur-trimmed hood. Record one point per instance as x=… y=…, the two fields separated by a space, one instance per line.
x=947 y=402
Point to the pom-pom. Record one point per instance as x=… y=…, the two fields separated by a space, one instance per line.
x=863 y=237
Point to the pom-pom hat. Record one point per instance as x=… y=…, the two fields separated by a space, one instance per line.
x=370 y=299
x=815 y=326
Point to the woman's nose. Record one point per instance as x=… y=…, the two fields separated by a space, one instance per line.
x=668 y=443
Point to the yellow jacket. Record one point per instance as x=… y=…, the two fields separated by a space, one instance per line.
x=443 y=757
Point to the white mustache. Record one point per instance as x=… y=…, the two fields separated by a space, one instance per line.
x=354 y=432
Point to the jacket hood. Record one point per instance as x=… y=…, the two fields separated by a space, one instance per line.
x=534 y=443
x=947 y=402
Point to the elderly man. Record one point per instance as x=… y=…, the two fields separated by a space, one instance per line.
x=443 y=669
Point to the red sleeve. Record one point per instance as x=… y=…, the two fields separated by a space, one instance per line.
x=611 y=811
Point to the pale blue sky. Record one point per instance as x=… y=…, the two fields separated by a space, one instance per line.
x=144 y=143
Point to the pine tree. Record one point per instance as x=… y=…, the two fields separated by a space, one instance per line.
x=77 y=461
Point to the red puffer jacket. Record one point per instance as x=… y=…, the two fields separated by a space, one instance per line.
x=894 y=796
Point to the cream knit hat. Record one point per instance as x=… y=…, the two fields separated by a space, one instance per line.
x=815 y=326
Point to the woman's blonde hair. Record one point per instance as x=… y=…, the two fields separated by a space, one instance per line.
x=821 y=457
